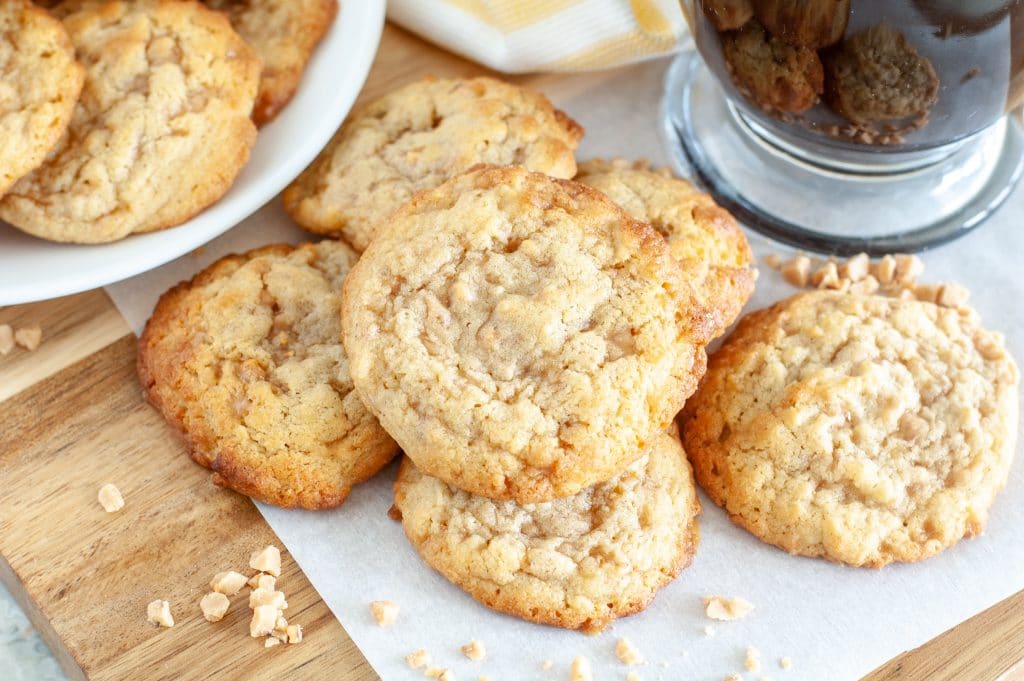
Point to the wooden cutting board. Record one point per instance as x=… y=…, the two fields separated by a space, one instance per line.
x=72 y=418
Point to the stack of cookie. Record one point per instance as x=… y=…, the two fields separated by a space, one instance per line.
x=123 y=117
x=528 y=344
x=525 y=340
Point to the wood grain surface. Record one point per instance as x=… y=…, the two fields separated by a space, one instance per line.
x=73 y=418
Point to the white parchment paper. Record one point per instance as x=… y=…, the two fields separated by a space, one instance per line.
x=834 y=622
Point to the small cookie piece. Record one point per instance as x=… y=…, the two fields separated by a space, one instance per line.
x=246 y=361
x=728 y=15
x=283 y=34
x=701 y=235
x=861 y=429
x=520 y=336
x=813 y=24
x=877 y=75
x=772 y=73
x=161 y=129
x=578 y=562
x=41 y=83
x=416 y=138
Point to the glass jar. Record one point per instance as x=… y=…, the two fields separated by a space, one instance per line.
x=876 y=100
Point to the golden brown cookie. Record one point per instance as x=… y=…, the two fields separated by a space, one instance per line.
x=521 y=336
x=728 y=15
x=876 y=75
x=283 y=34
x=40 y=84
x=702 y=236
x=804 y=23
x=772 y=73
x=416 y=138
x=246 y=361
x=579 y=562
x=861 y=429
x=161 y=129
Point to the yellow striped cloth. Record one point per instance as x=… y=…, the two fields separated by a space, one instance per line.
x=517 y=36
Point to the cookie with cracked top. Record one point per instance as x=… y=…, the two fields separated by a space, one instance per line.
x=245 y=360
x=417 y=137
x=41 y=83
x=702 y=236
x=861 y=429
x=578 y=562
x=160 y=131
x=521 y=337
x=283 y=34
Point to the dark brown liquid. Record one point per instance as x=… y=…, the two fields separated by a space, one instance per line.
x=975 y=49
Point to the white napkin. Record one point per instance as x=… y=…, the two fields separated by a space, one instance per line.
x=517 y=36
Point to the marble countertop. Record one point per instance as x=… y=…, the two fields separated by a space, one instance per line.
x=23 y=655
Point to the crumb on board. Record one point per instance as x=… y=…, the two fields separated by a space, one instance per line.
x=785 y=663
x=264 y=619
x=267 y=559
x=260 y=597
x=228 y=583
x=213 y=606
x=6 y=339
x=158 y=613
x=110 y=498
x=29 y=337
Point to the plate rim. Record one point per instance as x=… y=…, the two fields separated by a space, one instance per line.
x=361 y=25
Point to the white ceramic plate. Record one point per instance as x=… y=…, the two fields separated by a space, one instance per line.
x=33 y=269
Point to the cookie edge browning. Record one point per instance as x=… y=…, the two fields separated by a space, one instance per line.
x=228 y=469
x=731 y=287
x=297 y=193
x=700 y=324
x=694 y=435
x=268 y=107
x=72 y=82
x=686 y=550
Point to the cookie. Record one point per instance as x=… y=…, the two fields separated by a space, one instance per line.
x=283 y=34
x=861 y=429
x=728 y=15
x=813 y=24
x=579 y=562
x=41 y=83
x=416 y=138
x=776 y=76
x=876 y=75
x=521 y=337
x=160 y=131
x=246 y=361
x=701 y=235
